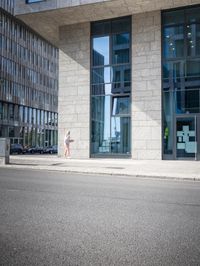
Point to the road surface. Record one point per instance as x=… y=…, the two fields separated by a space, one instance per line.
x=51 y=218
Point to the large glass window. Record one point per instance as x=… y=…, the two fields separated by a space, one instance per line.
x=111 y=87
x=181 y=73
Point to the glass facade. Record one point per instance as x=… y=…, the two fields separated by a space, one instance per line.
x=28 y=84
x=111 y=87
x=181 y=82
x=7 y=5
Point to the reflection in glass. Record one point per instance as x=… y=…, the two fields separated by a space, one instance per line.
x=121 y=105
x=173 y=17
x=193 y=39
x=100 y=124
x=120 y=135
x=1 y=110
x=121 y=25
x=101 y=28
x=168 y=122
x=110 y=134
x=101 y=51
x=11 y=111
x=121 y=74
x=38 y=117
x=193 y=68
x=193 y=15
x=101 y=75
x=187 y=101
x=121 y=79
x=173 y=42
x=11 y=132
x=110 y=105
x=120 y=48
x=21 y=114
x=26 y=114
x=102 y=89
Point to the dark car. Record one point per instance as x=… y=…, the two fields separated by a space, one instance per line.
x=36 y=149
x=52 y=149
x=16 y=148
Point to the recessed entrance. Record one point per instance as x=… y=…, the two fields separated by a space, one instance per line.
x=181 y=83
x=187 y=131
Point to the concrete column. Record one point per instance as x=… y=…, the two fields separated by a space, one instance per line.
x=74 y=88
x=146 y=86
x=4 y=150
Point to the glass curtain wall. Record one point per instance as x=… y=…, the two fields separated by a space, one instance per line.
x=28 y=83
x=111 y=87
x=180 y=81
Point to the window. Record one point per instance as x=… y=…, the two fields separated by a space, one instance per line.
x=111 y=87
x=33 y=1
x=181 y=73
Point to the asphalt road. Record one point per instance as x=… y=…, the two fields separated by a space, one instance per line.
x=49 y=218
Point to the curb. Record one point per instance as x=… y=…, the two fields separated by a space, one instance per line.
x=90 y=172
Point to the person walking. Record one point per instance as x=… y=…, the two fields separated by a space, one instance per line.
x=67 y=141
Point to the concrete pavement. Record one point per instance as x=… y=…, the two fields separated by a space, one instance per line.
x=188 y=170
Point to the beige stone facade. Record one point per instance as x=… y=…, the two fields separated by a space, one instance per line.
x=146 y=86
x=74 y=88
x=70 y=30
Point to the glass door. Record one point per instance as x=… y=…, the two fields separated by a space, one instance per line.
x=186 y=137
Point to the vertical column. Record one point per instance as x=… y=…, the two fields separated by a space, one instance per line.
x=146 y=86
x=74 y=88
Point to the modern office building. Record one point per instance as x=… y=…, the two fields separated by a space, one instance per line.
x=28 y=83
x=129 y=74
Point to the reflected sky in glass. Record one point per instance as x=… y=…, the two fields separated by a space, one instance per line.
x=107 y=118
x=101 y=51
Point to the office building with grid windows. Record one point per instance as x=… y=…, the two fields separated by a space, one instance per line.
x=129 y=75
x=28 y=83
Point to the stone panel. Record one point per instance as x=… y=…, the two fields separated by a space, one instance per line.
x=146 y=86
x=74 y=88
x=47 y=16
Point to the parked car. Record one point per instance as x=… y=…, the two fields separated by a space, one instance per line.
x=36 y=149
x=52 y=149
x=16 y=148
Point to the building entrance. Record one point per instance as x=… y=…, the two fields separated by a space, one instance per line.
x=181 y=84
x=187 y=136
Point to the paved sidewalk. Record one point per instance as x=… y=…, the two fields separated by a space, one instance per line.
x=189 y=170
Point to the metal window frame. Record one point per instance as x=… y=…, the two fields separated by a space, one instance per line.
x=171 y=87
x=110 y=155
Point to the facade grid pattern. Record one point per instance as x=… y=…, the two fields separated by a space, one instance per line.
x=29 y=84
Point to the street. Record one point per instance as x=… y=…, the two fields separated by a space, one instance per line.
x=52 y=218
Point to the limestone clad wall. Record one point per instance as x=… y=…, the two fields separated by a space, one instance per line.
x=146 y=86
x=74 y=88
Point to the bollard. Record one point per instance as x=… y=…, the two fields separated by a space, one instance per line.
x=4 y=150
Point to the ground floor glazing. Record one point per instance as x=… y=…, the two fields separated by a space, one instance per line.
x=28 y=126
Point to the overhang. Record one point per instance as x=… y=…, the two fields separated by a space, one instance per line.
x=46 y=20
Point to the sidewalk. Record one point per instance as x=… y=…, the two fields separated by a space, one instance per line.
x=188 y=170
